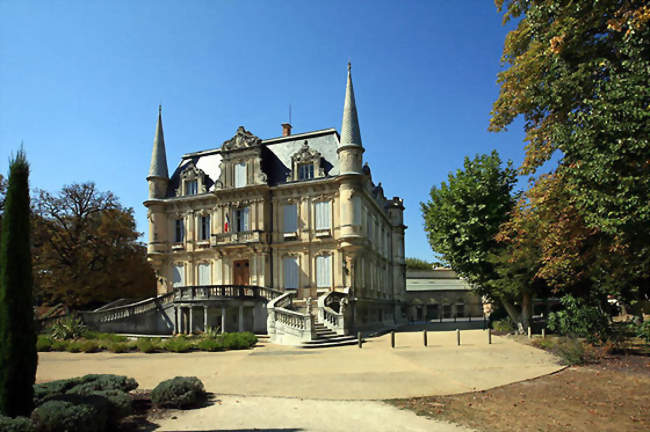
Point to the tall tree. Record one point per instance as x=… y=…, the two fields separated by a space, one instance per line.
x=462 y=219
x=86 y=249
x=579 y=73
x=17 y=334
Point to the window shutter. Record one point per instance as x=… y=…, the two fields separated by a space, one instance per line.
x=323 y=271
x=240 y=174
x=322 y=215
x=245 y=225
x=178 y=277
x=290 y=218
x=204 y=274
x=290 y=272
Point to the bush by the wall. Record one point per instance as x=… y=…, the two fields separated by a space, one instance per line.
x=503 y=326
x=147 y=345
x=58 y=345
x=43 y=343
x=70 y=413
x=89 y=346
x=177 y=344
x=643 y=331
x=209 y=344
x=235 y=341
x=118 y=347
x=73 y=346
x=18 y=424
x=179 y=392
x=68 y=328
x=579 y=320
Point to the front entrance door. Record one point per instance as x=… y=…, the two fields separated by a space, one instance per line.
x=240 y=272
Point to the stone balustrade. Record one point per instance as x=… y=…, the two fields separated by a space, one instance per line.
x=230 y=238
x=286 y=326
x=330 y=318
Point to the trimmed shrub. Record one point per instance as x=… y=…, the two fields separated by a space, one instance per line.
x=82 y=386
x=72 y=413
x=119 y=402
x=118 y=347
x=643 y=331
x=106 y=337
x=571 y=351
x=58 y=345
x=73 y=346
x=209 y=344
x=43 y=343
x=177 y=344
x=18 y=424
x=234 y=341
x=179 y=392
x=89 y=346
x=579 y=320
x=503 y=326
x=147 y=345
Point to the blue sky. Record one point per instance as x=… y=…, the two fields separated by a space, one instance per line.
x=80 y=83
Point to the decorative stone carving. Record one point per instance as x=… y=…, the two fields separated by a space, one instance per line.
x=242 y=139
x=306 y=155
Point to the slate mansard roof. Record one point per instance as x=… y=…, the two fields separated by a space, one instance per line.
x=276 y=158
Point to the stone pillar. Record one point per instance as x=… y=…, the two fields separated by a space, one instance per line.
x=190 y=327
x=205 y=318
x=223 y=319
x=175 y=320
x=241 y=318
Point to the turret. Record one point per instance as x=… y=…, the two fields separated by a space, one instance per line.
x=350 y=149
x=158 y=177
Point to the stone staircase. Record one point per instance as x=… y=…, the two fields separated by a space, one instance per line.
x=325 y=338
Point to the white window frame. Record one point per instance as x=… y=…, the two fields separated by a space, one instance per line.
x=324 y=271
x=323 y=215
x=289 y=218
x=203 y=274
x=290 y=272
x=240 y=174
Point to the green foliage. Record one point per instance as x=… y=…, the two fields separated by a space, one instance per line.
x=503 y=326
x=72 y=413
x=104 y=337
x=59 y=345
x=235 y=341
x=85 y=385
x=18 y=424
x=212 y=332
x=643 y=331
x=418 y=264
x=578 y=73
x=43 y=343
x=571 y=351
x=18 y=355
x=70 y=327
x=179 y=392
x=118 y=347
x=73 y=346
x=579 y=320
x=178 y=344
x=89 y=346
x=147 y=345
x=210 y=344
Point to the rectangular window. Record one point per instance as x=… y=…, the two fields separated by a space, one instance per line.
x=324 y=271
x=240 y=174
x=205 y=227
x=241 y=219
x=178 y=276
x=323 y=215
x=179 y=231
x=290 y=266
x=305 y=171
x=205 y=278
x=289 y=217
x=460 y=310
x=192 y=187
x=356 y=208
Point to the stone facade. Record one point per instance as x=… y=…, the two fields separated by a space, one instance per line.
x=298 y=213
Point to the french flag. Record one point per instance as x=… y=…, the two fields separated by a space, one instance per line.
x=226 y=224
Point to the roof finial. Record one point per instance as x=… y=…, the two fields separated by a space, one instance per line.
x=159 y=109
x=349 y=66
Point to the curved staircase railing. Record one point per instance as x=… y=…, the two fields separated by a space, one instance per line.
x=330 y=318
x=287 y=326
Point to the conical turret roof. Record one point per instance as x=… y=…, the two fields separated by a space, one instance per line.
x=350 y=132
x=158 y=166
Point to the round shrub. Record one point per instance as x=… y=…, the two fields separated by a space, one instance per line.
x=73 y=346
x=209 y=344
x=18 y=424
x=178 y=392
x=146 y=345
x=89 y=346
x=72 y=413
x=43 y=343
x=177 y=345
x=58 y=345
x=82 y=386
x=118 y=347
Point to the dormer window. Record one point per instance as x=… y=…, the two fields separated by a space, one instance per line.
x=192 y=187
x=240 y=174
x=305 y=171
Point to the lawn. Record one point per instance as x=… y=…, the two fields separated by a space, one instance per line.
x=613 y=395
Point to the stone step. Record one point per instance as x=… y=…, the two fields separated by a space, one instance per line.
x=330 y=339
x=330 y=344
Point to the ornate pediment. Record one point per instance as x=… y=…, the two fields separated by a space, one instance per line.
x=305 y=154
x=242 y=139
x=191 y=172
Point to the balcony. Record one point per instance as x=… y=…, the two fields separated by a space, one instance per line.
x=235 y=238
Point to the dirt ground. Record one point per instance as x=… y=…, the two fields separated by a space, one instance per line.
x=611 y=396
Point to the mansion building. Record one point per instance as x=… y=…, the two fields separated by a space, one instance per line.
x=298 y=214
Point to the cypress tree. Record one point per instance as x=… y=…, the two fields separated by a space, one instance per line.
x=18 y=356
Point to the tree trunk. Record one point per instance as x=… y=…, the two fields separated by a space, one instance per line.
x=513 y=313
x=526 y=310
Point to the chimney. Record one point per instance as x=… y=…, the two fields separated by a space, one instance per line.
x=286 y=129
